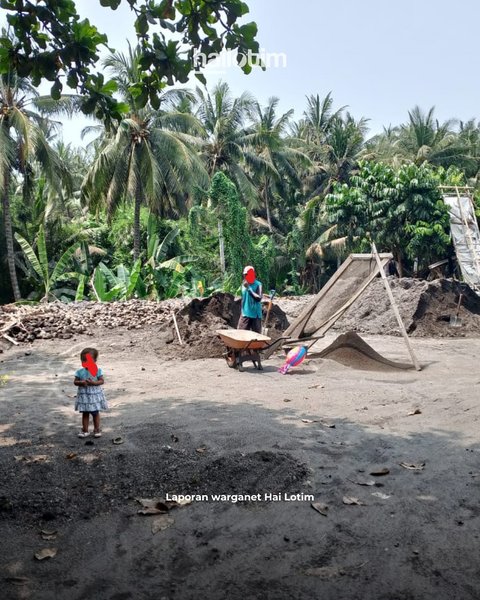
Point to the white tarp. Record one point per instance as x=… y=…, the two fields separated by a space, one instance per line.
x=466 y=237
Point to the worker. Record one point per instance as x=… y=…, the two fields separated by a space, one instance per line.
x=251 y=312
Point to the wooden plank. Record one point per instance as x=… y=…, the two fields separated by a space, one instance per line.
x=307 y=311
x=395 y=309
x=295 y=329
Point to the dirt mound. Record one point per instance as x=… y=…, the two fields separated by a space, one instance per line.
x=249 y=473
x=425 y=307
x=198 y=321
x=350 y=350
x=100 y=478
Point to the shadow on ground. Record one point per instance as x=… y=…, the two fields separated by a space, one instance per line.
x=412 y=535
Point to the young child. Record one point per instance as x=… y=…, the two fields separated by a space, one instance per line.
x=90 y=397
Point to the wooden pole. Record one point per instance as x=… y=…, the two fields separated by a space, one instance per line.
x=221 y=242
x=176 y=329
x=395 y=308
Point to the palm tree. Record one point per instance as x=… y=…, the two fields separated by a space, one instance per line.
x=333 y=141
x=384 y=147
x=317 y=122
x=281 y=159
x=424 y=139
x=229 y=140
x=343 y=147
x=151 y=155
x=23 y=145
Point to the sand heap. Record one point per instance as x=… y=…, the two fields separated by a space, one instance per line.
x=350 y=350
x=425 y=307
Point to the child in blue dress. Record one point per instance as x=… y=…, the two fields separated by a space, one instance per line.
x=90 y=397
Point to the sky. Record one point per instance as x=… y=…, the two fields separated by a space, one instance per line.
x=379 y=57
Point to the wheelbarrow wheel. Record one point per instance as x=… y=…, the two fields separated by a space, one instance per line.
x=231 y=359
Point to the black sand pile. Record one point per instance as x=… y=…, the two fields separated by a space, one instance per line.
x=198 y=321
x=350 y=350
x=425 y=307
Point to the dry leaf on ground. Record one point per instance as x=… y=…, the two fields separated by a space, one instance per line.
x=380 y=495
x=412 y=466
x=152 y=506
x=363 y=481
x=309 y=421
x=46 y=553
x=35 y=458
x=351 y=500
x=320 y=507
x=417 y=411
x=161 y=523
x=200 y=450
x=71 y=455
x=380 y=472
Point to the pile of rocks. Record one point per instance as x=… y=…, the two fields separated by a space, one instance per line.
x=58 y=320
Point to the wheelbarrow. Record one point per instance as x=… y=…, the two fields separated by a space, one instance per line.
x=243 y=345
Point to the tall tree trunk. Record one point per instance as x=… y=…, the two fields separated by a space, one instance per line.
x=136 y=223
x=9 y=235
x=267 y=206
x=399 y=264
x=221 y=241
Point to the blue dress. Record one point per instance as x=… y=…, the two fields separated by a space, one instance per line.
x=91 y=397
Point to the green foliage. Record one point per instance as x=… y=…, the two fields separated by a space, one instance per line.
x=46 y=276
x=163 y=277
x=108 y=286
x=53 y=43
x=401 y=209
x=239 y=249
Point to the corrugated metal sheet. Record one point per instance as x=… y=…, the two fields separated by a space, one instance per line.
x=466 y=237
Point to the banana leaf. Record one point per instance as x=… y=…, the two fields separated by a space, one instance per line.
x=42 y=255
x=110 y=277
x=98 y=285
x=80 y=289
x=167 y=240
x=133 y=279
x=122 y=276
x=62 y=264
x=31 y=257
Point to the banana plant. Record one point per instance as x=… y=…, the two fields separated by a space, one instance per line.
x=41 y=266
x=160 y=276
x=108 y=286
x=83 y=268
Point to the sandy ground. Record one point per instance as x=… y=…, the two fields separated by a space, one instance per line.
x=197 y=427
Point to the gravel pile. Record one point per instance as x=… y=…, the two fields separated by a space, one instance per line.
x=58 y=320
